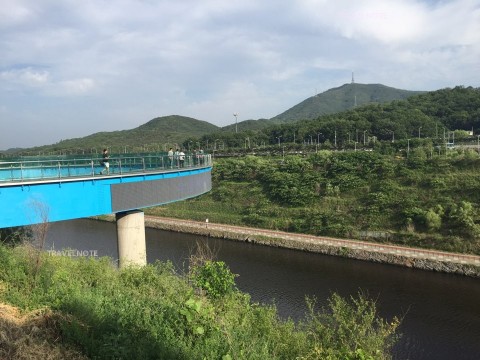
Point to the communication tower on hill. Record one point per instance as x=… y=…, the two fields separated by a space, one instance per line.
x=355 y=96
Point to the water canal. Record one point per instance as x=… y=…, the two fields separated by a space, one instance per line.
x=441 y=311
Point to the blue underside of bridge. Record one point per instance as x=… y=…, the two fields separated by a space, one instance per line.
x=55 y=200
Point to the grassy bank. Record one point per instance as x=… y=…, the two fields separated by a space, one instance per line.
x=154 y=313
x=424 y=200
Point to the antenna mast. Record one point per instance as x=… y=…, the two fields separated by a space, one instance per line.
x=353 y=82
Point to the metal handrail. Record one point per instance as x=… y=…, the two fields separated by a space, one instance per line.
x=27 y=170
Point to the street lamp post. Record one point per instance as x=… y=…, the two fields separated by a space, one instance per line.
x=408 y=146
x=236 y=129
x=279 y=137
x=420 y=128
x=478 y=144
x=364 y=142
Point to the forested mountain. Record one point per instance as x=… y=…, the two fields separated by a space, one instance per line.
x=176 y=124
x=433 y=115
x=173 y=129
x=430 y=114
x=457 y=108
x=340 y=99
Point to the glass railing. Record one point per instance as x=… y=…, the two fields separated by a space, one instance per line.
x=49 y=169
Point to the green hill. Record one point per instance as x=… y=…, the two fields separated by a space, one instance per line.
x=159 y=132
x=162 y=132
x=340 y=99
x=176 y=124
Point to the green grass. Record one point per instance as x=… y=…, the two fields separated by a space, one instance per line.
x=154 y=313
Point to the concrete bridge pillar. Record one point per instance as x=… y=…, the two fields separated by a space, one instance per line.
x=131 y=238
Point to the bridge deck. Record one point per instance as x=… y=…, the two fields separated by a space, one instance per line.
x=76 y=168
x=54 y=190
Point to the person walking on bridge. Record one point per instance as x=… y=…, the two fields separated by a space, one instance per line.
x=105 y=163
x=181 y=157
x=170 y=157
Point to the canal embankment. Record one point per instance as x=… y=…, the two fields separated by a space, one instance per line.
x=432 y=260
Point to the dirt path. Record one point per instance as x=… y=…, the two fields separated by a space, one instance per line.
x=392 y=254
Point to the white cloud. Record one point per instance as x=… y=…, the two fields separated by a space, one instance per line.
x=75 y=87
x=25 y=76
x=40 y=80
x=140 y=59
x=13 y=12
x=242 y=97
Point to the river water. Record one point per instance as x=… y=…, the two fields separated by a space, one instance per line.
x=441 y=312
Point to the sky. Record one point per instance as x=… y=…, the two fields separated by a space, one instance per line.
x=72 y=68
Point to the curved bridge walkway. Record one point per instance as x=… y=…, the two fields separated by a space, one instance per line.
x=45 y=190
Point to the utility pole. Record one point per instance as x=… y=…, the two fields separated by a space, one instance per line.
x=236 y=129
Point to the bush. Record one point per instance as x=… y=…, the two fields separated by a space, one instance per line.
x=215 y=278
x=352 y=326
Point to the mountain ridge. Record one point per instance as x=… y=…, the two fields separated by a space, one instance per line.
x=174 y=129
x=341 y=98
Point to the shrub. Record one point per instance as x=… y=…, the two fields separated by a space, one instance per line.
x=352 y=326
x=215 y=278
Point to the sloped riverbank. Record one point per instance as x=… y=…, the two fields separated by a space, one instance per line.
x=463 y=264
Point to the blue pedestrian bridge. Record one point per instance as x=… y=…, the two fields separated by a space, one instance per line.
x=54 y=189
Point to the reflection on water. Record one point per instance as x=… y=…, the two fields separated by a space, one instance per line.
x=441 y=312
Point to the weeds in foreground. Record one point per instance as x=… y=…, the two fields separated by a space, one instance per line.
x=153 y=313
